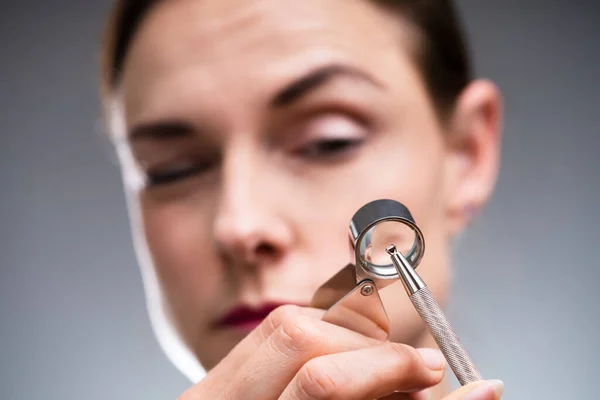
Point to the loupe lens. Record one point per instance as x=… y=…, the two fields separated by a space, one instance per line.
x=380 y=236
x=374 y=227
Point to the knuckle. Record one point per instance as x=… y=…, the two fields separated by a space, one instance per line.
x=317 y=379
x=279 y=316
x=282 y=314
x=296 y=335
x=406 y=358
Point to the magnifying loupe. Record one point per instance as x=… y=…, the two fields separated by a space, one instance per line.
x=386 y=245
x=377 y=225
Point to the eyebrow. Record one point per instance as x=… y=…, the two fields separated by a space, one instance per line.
x=294 y=92
x=317 y=78
x=163 y=130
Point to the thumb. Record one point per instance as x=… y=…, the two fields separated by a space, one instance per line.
x=482 y=390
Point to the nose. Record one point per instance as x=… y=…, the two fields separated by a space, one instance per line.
x=250 y=227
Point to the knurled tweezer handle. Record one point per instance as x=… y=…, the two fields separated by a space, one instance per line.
x=445 y=337
x=434 y=317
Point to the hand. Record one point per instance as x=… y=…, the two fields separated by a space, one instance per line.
x=294 y=355
x=484 y=390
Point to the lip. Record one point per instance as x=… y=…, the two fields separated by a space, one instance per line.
x=246 y=318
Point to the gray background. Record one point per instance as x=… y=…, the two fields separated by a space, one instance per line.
x=73 y=323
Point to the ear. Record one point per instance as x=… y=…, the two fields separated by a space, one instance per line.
x=473 y=152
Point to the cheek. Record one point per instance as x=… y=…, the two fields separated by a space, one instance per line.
x=177 y=236
x=418 y=170
x=406 y=168
x=410 y=169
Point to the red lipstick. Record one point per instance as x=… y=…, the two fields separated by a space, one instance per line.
x=245 y=318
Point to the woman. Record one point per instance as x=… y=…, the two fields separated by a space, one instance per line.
x=249 y=133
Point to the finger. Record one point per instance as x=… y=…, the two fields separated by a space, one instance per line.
x=426 y=394
x=482 y=390
x=283 y=353
x=250 y=344
x=283 y=314
x=367 y=373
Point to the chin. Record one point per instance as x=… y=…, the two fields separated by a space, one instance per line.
x=211 y=353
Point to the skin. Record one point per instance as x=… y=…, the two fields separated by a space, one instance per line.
x=264 y=185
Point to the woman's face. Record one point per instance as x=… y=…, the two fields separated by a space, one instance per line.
x=259 y=128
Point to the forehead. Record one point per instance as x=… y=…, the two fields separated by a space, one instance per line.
x=222 y=44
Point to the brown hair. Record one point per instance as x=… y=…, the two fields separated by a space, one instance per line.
x=442 y=54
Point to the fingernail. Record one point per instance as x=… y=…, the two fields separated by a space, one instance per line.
x=488 y=390
x=498 y=387
x=434 y=359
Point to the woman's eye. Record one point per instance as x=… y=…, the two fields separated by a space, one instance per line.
x=164 y=176
x=330 y=135
x=329 y=147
